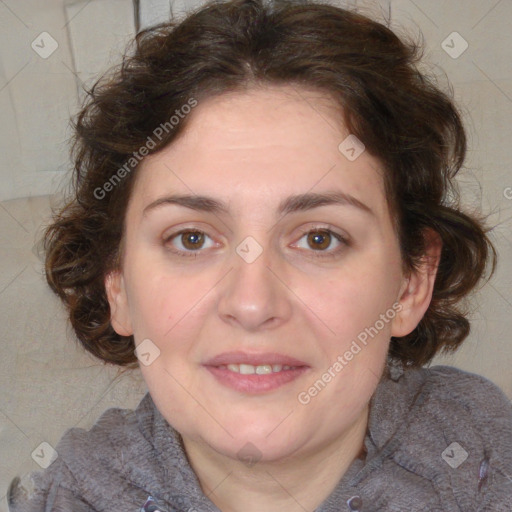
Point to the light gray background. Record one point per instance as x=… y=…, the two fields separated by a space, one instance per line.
x=49 y=385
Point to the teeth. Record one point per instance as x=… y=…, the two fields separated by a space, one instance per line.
x=246 y=369
x=262 y=369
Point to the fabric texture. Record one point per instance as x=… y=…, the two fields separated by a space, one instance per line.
x=439 y=439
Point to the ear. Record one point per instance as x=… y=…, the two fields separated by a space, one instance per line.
x=118 y=300
x=416 y=291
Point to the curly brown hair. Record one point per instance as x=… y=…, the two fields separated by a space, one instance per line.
x=399 y=113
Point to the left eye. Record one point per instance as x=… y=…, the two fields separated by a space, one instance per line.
x=322 y=239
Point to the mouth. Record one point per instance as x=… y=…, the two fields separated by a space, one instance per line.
x=262 y=369
x=255 y=373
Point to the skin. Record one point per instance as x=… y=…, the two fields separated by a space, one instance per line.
x=251 y=150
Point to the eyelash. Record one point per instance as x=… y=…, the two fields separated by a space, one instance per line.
x=316 y=253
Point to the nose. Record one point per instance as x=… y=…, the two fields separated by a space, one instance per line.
x=255 y=294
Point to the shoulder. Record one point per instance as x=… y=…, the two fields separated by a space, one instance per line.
x=444 y=396
x=114 y=427
x=450 y=400
x=445 y=427
x=456 y=391
x=52 y=489
x=82 y=458
x=458 y=432
x=424 y=404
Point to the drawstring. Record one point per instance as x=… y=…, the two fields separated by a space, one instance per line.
x=483 y=473
x=355 y=504
x=150 y=506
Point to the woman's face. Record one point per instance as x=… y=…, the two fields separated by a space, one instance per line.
x=255 y=265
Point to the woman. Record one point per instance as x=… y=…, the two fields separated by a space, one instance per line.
x=264 y=222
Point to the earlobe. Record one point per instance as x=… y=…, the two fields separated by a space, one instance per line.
x=417 y=289
x=118 y=301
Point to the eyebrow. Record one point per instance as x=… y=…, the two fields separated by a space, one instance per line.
x=295 y=203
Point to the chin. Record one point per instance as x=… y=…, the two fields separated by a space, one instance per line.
x=259 y=451
x=250 y=445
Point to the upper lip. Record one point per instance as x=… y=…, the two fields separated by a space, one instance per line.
x=239 y=357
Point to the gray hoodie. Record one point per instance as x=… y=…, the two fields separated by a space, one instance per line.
x=438 y=439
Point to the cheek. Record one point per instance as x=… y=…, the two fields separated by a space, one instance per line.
x=157 y=301
x=353 y=298
x=167 y=305
x=353 y=315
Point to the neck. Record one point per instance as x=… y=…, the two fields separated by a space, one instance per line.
x=300 y=482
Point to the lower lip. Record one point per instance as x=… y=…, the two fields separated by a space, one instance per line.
x=255 y=383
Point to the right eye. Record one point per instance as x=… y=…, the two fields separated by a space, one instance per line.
x=187 y=242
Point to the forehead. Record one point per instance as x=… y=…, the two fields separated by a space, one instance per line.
x=263 y=144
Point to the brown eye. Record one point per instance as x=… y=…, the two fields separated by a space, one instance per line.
x=192 y=239
x=323 y=243
x=319 y=239
x=188 y=242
